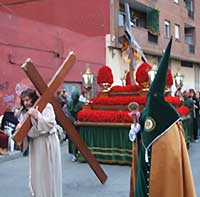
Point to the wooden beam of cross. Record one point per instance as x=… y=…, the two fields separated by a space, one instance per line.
x=42 y=88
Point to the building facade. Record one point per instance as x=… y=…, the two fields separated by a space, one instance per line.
x=46 y=31
x=153 y=22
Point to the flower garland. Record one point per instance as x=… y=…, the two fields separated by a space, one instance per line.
x=105 y=75
x=119 y=100
x=89 y=115
x=125 y=100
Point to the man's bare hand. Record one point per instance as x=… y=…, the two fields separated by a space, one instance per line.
x=33 y=112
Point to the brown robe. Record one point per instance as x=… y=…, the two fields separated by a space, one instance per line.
x=170 y=174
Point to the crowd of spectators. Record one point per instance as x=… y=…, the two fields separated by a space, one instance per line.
x=70 y=104
x=191 y=99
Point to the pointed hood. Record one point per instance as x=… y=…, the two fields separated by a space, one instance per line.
x=158 y=115
x=158 y=84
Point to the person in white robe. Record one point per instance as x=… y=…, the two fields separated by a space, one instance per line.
x=45 y=176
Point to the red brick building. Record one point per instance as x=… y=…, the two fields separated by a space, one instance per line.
x=46 y=31
x=153 y=22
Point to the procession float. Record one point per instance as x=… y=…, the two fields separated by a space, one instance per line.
x=104 y=122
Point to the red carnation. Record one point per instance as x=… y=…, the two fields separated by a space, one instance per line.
x=105 y=75
x=169 y=80
x=142 y=73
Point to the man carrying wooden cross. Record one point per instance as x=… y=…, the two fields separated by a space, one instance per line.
x=45 y=157
x=41 y=104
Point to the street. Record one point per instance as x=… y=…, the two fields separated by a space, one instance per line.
x=78 y=179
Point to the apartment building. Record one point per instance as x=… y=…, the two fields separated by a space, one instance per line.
x=153 y=22
x=47 y=30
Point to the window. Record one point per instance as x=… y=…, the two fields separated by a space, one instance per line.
x=186 y=64
x=177 y=32
x=152 y=38
x=167 y=29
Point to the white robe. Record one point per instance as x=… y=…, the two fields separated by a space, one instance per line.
x=45 y=179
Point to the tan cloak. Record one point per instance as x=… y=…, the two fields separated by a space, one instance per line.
x=170 y=172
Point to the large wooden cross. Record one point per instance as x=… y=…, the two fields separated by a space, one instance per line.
x=47 y=95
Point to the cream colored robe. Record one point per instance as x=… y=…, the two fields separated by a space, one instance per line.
x=45 y=178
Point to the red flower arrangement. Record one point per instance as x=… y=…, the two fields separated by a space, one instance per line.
x=174 y=100
x=88 y=115
x=127 y=88
x=169 y=79
x=125 y=100
x=183 y=110
x=142 y=73
x=105 y=75
x=119 y=100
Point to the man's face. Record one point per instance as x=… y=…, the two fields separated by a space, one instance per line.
x=27 y=101
x=186 y=94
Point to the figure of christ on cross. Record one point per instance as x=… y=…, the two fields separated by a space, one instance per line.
x=130 y=45
x=47 y=95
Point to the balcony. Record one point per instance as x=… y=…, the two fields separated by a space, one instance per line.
x=189 y=6
x=141 y=16
x=190 y=37
x=191 y=14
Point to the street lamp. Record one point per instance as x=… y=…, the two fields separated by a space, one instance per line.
x=87 y=79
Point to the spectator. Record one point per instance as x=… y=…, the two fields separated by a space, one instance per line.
x=3 y=143
x=8 y=125
x=9 y=121
x=190 y=104
x=82 y=97
x=179 y=94
x=195 y=113
x=74 y=107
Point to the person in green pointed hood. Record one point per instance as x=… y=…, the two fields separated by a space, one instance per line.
x=163 y=167
x=73 y=107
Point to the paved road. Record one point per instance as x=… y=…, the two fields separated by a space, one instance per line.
x=78 y=179
x=194 y=153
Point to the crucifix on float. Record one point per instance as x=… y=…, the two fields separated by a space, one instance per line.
x=128 y=41
x=47 y=95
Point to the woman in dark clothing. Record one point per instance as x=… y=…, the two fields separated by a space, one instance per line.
x=196 y=113
x=9 y=121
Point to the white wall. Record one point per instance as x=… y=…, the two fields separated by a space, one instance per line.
x=115 y=61
x=188 y=73
x=118 y=66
